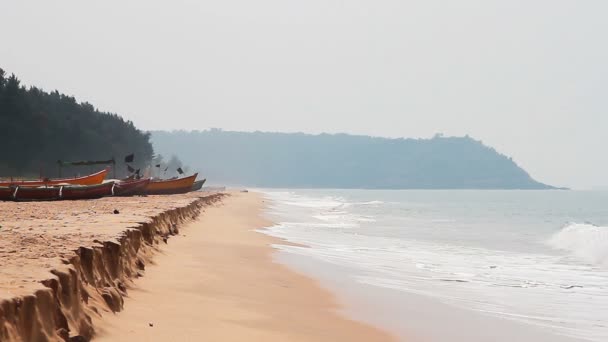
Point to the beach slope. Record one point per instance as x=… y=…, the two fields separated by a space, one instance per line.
x=218 y=281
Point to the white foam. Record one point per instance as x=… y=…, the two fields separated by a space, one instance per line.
x=585 y=241
x=540 y=286
x=369 y=203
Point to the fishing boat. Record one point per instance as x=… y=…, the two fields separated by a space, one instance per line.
x=55 y=193
x=92 y=179
x=69 y=192
x=171 y=186
x=6 y=193
x=131 y=187
x=28 y=193
x=198 y=185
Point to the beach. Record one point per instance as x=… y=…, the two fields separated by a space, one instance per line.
x=157 y=268
x=482 y=265
x=224 y=267
x=218 y=281
x=277 y=266
x=64 y=265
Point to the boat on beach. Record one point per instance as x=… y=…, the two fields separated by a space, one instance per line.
x=198 y=185
x=55 y=193
x=52 y=190
x=131 y=187
x=6 y=193
x=87 y=191
x=27 y=193
x=171 y=186
x=92 y=179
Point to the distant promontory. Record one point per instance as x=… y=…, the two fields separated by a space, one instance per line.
x=297 y=160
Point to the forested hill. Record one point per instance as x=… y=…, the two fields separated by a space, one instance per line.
x=39 y=128
x=344 y=161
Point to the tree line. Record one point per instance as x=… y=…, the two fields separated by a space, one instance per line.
x=39 y=128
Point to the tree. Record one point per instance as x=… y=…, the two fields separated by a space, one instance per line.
x=40 y=128
x=2 y=78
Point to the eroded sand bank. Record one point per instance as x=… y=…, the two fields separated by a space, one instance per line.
x=219 y=283
x=64 y=265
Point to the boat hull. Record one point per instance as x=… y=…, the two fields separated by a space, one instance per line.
x=87 y=192
x=36 y=194
x=198 y=185
x=55 y=193
x=6 y=193
x=131 y=188
x=92 y=179
x=171 y=186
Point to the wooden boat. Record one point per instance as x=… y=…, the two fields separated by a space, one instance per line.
x=6 y=193
x=28 y=193
x=93 y=179
x=69 y=192
x=198 y=185
x=54 y=193
x=171 y=186
x=130 y=188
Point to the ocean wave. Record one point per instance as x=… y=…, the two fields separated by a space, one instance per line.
x=318 y=225
x=369 y=203
x=585 y=241
x=316 y=203
x=455 y=257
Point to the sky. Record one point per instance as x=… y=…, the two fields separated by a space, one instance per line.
x=529 y=78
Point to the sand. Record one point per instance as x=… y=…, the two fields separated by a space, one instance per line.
x=36 y=236
x=66 y=264
x=218 y=281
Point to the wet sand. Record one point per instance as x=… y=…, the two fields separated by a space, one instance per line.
x=218 y=281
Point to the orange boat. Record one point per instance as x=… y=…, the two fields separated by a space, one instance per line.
x=171 y=186
x=93 y=179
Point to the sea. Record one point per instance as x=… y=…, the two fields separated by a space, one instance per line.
x=532 y=262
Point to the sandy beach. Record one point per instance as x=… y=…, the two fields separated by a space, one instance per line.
x=66 y=264
x=217 y=281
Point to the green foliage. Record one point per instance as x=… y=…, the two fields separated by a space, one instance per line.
x=344 y=161
x=39 y=128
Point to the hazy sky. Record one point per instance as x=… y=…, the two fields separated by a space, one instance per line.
x=529 y=78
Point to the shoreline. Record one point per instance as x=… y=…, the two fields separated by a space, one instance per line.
x=160 y=271
x=415 y=317
x=221 y=282
x=406 y=314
